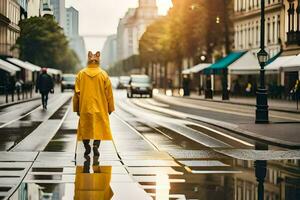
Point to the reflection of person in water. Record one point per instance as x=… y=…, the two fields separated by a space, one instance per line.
x=91 y=186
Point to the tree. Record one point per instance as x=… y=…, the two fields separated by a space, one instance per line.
x=43 y=43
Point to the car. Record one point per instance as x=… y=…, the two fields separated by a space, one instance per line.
x=68 y=82
x=123 y=82
x=141 y=85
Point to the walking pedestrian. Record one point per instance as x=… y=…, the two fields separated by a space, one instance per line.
x=44 y=84
x=93 y=101
x=248 y=89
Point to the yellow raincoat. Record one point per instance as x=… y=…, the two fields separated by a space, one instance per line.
x=95 y=186
x=93 y=100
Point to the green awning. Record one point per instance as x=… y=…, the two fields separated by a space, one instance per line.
x=223 y=63
x=273 y=58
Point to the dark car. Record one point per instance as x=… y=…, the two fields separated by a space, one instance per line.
x=141 y=85
x=68 y=82
x=123 y=82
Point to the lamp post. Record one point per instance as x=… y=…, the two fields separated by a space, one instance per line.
x=262 y=110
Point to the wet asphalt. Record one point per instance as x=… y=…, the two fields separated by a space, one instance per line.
x=154 y=156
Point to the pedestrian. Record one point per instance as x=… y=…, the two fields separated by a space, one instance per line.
x=93 y=101
x=18 y=86
x=44 y=84
x=296 y=91
x=237 y=88
x=248 y=89
x=186 y=85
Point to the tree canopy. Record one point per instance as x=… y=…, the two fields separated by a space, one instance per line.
x=192 y=28
x=42 y=42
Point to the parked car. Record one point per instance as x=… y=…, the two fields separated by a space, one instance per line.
x=123 y=82
x=141 y=85
x=68 y=82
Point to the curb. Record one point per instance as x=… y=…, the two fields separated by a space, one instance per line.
x=17 y=102
x=235 y=130
x=235 y=103
x=253 y=136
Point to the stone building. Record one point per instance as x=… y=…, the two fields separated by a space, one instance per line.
x=9 y=29
x=109 y=52
x=247 y=25
x=133 y=25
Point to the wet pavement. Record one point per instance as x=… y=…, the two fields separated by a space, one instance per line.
x=154 y=156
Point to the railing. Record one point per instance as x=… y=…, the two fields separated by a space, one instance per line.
x=12 y=93
x=293 y=37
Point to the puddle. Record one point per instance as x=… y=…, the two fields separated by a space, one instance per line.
x=59 y=114
x=15 y=132
x=63 y=141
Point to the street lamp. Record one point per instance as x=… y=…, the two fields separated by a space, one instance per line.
x=263 y=57
x=262 y=109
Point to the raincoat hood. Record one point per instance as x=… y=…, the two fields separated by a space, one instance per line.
x=92 y=70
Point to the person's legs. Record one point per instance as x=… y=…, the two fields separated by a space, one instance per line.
x=96 y=146
x=43 y=96
x=46 y=99
x=87 y=147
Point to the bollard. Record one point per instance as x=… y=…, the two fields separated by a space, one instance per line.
x=6 y=95
x=12 y=96
x=18 y=94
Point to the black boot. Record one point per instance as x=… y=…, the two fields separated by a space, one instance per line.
x=87 y=147
x=96 y=146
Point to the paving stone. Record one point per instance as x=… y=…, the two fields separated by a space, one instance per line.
x=248 y=154
x=196 y=154
x=202 y=163
x=150 y=163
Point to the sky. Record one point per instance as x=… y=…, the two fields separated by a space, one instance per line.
x=101 y=17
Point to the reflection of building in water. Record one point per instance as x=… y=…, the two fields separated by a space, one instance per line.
x=280 y=175
x=281 y=183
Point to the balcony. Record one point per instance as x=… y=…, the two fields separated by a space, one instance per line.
x=293 y=38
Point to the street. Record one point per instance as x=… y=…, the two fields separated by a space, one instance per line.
x=163 y=148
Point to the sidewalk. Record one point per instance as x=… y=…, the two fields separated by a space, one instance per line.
x=22 y=99
x=10 y=102
x=274 y=104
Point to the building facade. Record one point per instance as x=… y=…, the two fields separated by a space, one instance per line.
x=247 y=25
x=59 y=11
x=9 y=29
x=46 y=8
x=72 y=22
x=33 y=8
x=133 y=25
x=109 y=52
x=291 y=28
x=72 y=32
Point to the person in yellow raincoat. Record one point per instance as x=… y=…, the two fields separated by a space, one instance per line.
x=93 y=101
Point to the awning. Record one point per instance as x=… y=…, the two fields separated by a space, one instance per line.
x=37 y=68
x=54 y=71
x=247 y=64
x=198 y=68
x=292 y=65
x=224 y=62
x=279 y=63
x=6 y=66
x=24 y=65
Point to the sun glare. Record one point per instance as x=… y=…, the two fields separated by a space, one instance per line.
x=163 y=6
